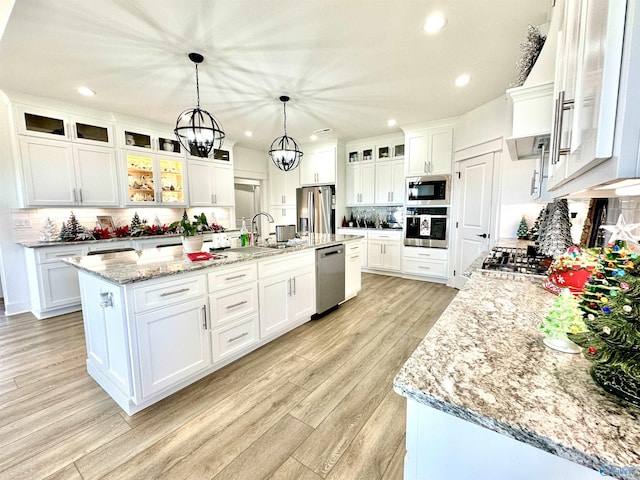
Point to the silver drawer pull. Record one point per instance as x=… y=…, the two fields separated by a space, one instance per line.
x=243 y=334
x=61 y=255
x=236 y=305
x=424 y=268
x=236 y=276
x=424 y=254
x=166 y=294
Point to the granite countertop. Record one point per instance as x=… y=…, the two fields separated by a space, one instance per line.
x=41 y=243
x=484 y=362
x=139 y=265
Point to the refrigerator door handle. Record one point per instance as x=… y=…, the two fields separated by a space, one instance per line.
x=310 y=212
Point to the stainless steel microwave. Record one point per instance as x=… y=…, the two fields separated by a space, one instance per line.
x=428 y=190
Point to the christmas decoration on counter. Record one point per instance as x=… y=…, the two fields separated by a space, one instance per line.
x=623 y=231
x=571 y=270
x=564 y=316
x=49 y=232
x=72 y=231
x=533 y=232
x=101 y=233
x=530 y=48
x=611 y=302
x=122 y=231
x=555 y=234
x=523 y=229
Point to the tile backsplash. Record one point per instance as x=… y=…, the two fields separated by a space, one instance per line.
x=27 y=223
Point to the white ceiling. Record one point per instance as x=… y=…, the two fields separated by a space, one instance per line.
x=349 y=65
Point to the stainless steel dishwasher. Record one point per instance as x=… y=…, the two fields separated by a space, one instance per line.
x=329 y=277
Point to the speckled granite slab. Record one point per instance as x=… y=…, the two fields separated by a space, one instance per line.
x=136 y=266
x=484 y=361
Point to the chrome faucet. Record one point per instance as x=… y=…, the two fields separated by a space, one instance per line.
x=254 y=225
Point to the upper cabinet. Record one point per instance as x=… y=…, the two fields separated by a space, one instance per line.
x=282 y=187
x=210 y=184
x=595 y=110
x=429 y=151
x=318 y=167
x=154 y=179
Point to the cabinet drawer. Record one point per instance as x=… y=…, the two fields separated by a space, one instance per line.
x=352 y=248
x=425 y=268
x=385 y=235
x=233 y=303
x=286 y=263
x=426 y=253
x=48 y=255
x=229 y=277
x=229 y=340
x=167 y=293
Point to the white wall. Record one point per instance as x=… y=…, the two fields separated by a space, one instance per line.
x=485 y=123
x=250 y=163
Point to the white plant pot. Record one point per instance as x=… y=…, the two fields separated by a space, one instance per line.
x=192 y=244
x=561 y=344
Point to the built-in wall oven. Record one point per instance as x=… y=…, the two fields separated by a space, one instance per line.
x=428 y=190
x=427 y=227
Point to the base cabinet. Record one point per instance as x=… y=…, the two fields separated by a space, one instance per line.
x=425 y=262
x=352 y=269
x=173 y=345
x=384 y=251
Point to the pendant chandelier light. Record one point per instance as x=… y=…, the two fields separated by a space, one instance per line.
x=285 y=151
x=197 y=130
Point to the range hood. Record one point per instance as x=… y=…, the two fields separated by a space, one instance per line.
x=532 y=103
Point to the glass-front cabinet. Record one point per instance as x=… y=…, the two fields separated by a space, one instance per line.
x=152 y=179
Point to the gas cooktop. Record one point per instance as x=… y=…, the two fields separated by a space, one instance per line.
x=518 y=260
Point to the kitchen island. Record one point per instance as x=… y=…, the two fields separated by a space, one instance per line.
x=486 y=399
x=155 y=321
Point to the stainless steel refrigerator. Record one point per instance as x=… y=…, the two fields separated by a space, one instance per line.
x=315 y=208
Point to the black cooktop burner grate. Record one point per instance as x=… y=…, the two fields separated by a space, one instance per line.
x=516 y=259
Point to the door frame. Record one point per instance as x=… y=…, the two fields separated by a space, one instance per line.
x=496 y=147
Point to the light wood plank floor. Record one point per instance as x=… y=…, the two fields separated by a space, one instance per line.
x=314 y=404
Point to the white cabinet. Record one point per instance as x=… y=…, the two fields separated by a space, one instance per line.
x=363 y=242
x=384 y=251
x=389 y=183
x=173 y=345
x=154 y=179
x=210 y=184
x=282 y=216
x=588 y=76
x=60 y=173
x=282 y=187
x=429 y=151
x=53 y=285
x=353 y=266
x=286 y=291
x=360 y=183
x=425 y=262
x=318 y=167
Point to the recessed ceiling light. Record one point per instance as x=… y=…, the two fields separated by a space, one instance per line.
x=86 y=91
x=391 y=122
x=248 y=133
x=462 y=80
x=313 y=137
x=435 y=23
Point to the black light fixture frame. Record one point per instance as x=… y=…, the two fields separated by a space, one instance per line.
x=285 y=152
x=199 y=132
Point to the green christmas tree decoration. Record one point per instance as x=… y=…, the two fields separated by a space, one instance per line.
x=523 y=229
x=72 y=230
x=612 y=305
x=185 y=217
x=564 y=317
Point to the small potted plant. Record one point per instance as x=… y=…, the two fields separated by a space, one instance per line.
x=192 y=237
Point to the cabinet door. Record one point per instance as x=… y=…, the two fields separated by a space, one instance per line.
x=44 y=123
x=352 y=277
x=440 y=151
x=274 y=293
x=303 y=294
x=282 y=186
x=282 y=216
x=417 y=144
x=353 y=184
x=392 y=257
x=223 y=194
x=48 y=171
x=384 y=182
x=374 y=254
x=59 y=285
x=173 y=344
x=397 y=182
x=201 y=184
x=141 y=179
x=97 y=176
x=172 y=173
x=367 y=183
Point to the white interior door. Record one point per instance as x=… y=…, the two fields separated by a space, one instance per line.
x=474 y=191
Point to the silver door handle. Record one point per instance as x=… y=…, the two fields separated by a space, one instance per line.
x=75 y=199
x=204 y=313
x=533 y=183
x=293 y=281
x=80 y=194
x=289 y=287
x=174 y=292
x=236 y=276
x=229 y=307
x=283 y=200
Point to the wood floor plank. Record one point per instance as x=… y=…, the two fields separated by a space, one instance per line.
x=292 y=469
x=370 y=453
x=7 y=385
x=261 y=460
x=395 y=470
x=52 y=460
x=145 y=444
x=324 y=447
x=70 y=472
